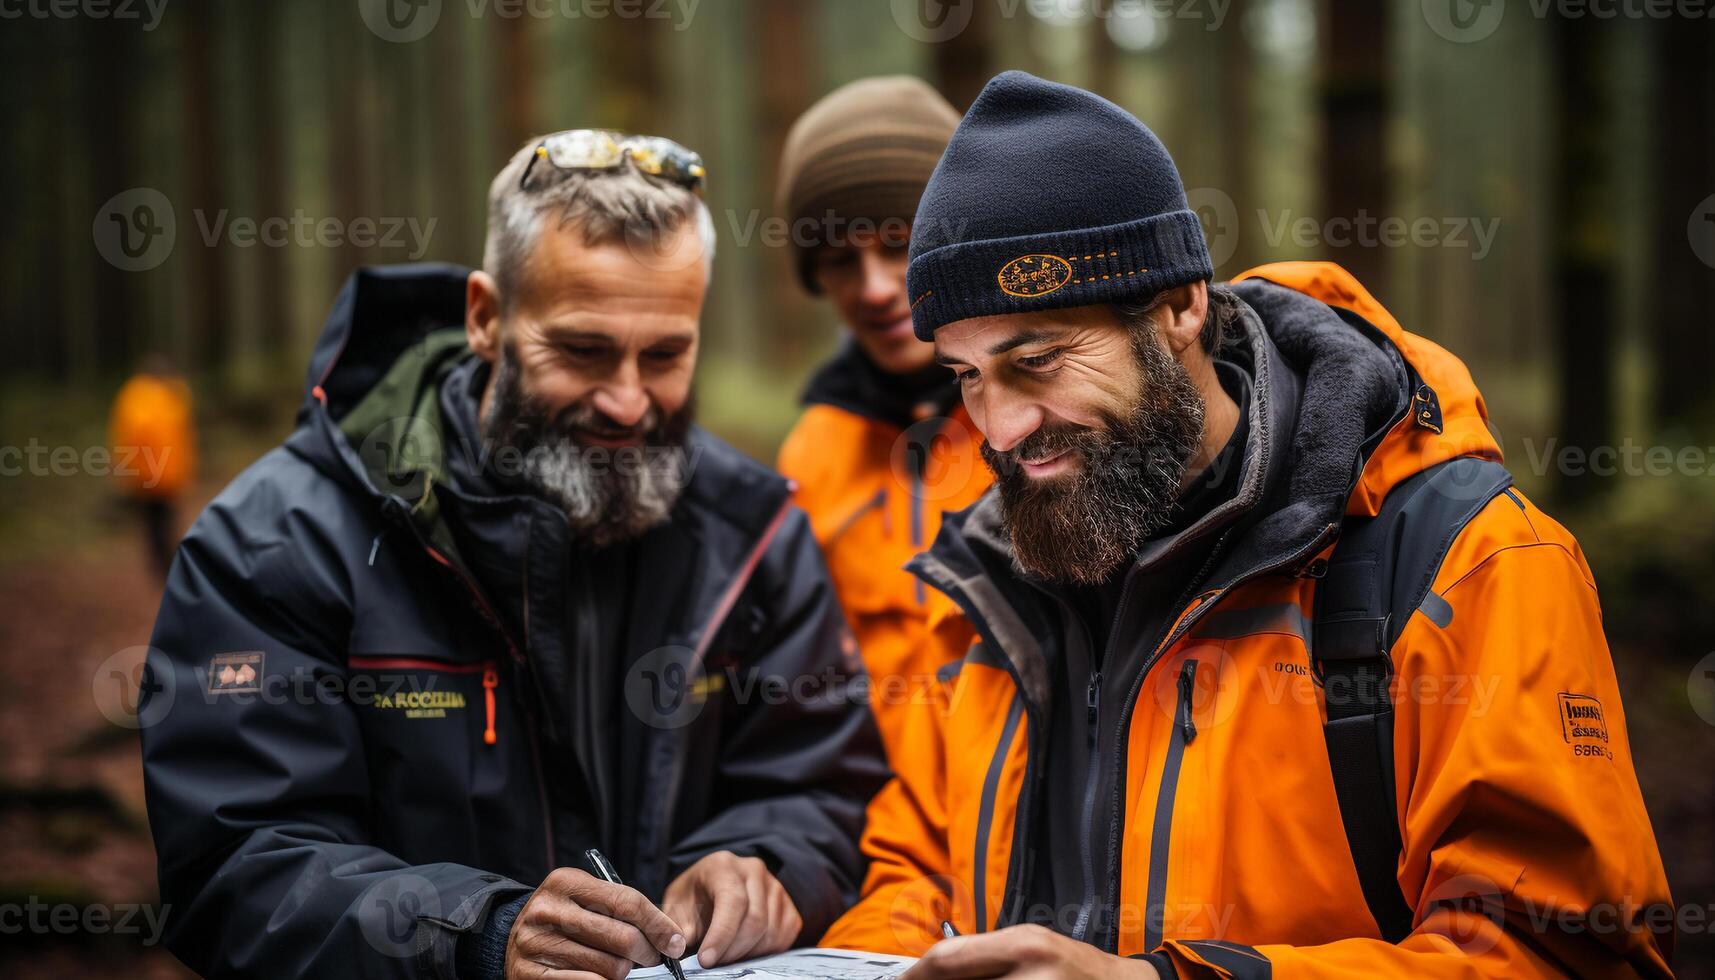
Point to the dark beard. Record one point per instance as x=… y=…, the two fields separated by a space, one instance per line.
x=608 y=495
x=1082 y=526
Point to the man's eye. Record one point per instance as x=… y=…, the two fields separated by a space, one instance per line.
x=967 y=376
x=583 y=352
x=662 y=356
x=1038 y=361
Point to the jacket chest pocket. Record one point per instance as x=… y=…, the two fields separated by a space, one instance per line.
x=432 y=699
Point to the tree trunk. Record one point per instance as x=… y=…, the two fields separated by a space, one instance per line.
x=965 y=61
x=108 y=137
x=260 y=28
x=1355 y=102
x=1682 y=291
x=204 y=150
x=1584 y=247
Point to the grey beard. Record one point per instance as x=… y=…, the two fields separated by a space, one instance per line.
x=607 y=495
x=609 y=499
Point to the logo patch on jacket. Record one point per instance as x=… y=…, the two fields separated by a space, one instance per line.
x=1583 y=725
x=1034 y=275
x=235 y=673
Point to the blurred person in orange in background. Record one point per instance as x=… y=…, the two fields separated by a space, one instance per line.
x=884 y=446
x=154 y=451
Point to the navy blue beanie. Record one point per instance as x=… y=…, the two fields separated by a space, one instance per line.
x=1048 y=197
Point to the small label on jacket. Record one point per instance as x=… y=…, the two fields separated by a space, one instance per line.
x=235 y=673
x=1584 y=726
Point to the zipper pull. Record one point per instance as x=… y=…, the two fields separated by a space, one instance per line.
x=1187 y=697
x=490 y=681
x=1093 y=703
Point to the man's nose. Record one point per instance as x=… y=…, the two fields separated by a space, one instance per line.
x=1007 y=418
x=623 y=399
x=881 y=280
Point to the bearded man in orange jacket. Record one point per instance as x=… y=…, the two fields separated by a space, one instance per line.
x=1266 y=670
x=883 y=447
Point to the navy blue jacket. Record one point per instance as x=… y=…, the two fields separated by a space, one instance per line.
x=349 y=752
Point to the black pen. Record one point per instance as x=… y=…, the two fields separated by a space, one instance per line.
x=599 y=864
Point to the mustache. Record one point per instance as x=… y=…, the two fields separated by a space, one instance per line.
x=1047 y=442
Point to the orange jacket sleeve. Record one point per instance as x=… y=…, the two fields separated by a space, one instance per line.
x=1527 y=847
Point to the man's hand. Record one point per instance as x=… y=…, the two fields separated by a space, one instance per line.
x=733 y=908
x=576 y=925
x=1021 y=952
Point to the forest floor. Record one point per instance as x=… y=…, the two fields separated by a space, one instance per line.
x=73 y=830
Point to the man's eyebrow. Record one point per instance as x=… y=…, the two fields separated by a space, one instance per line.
x=1018 y=340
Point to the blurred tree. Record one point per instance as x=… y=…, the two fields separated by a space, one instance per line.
x=516 y=70
x=964 y=62
x=634 y=85
x=210 y=285
x=1682 y=294
x=1235 y=58
x=347 y=151
x=785 y=88
x=258 y=32
x=108 y=141
x=1355 y=104
x=1585 y=245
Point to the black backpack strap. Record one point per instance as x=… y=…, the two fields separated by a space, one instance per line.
x=1378 y=575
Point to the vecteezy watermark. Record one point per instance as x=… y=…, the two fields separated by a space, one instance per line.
x=1373 y=231
x=146 y=463
x=1701 y=231
x=145 y=12
x=1629 y=458
x=403 y=21
x=37 y=917
x=1700 y=688
x=935 y=21
x=129 y=691
x=309 y=232
x=1224 y=228
x=1465 y=21
x=136 y=230
x=391 y=910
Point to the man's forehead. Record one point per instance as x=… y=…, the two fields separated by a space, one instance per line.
x=989 y=335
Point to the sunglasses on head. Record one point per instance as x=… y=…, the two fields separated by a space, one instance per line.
x=601 y=149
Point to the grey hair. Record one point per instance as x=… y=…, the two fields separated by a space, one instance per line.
x=1219 y=323
x=609 y=206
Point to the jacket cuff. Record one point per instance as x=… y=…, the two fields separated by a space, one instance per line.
x=482 y=952
x=1161 y=961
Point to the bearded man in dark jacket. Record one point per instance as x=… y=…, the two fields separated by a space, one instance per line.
x=497 y=601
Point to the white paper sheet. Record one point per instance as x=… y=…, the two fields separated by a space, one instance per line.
x=797 y=964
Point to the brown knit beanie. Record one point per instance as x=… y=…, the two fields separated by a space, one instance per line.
x=865 y=151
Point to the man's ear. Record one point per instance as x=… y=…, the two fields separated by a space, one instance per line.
x=482 y=315
x=1184 y=308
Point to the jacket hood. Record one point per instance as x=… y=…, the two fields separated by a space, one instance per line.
x=1346 y=405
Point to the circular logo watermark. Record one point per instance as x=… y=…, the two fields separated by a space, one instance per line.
x=1701 y=230
x=400 y=21
x=926 y=459
x=1700 y=688
x=1220 y=218
x=135 y=229
x=129 y=691
x=1463 y=21
x=387 y=913
x=664 y=691
x=921 y=906
x=933 y=21
x=1197 y=696
x=397 y=450
x=1477 y=931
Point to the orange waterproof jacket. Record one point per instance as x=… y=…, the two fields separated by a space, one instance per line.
x=875 y=487
x=1527 y=850
x=153 y=436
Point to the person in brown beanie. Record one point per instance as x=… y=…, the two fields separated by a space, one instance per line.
x=884 y=446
